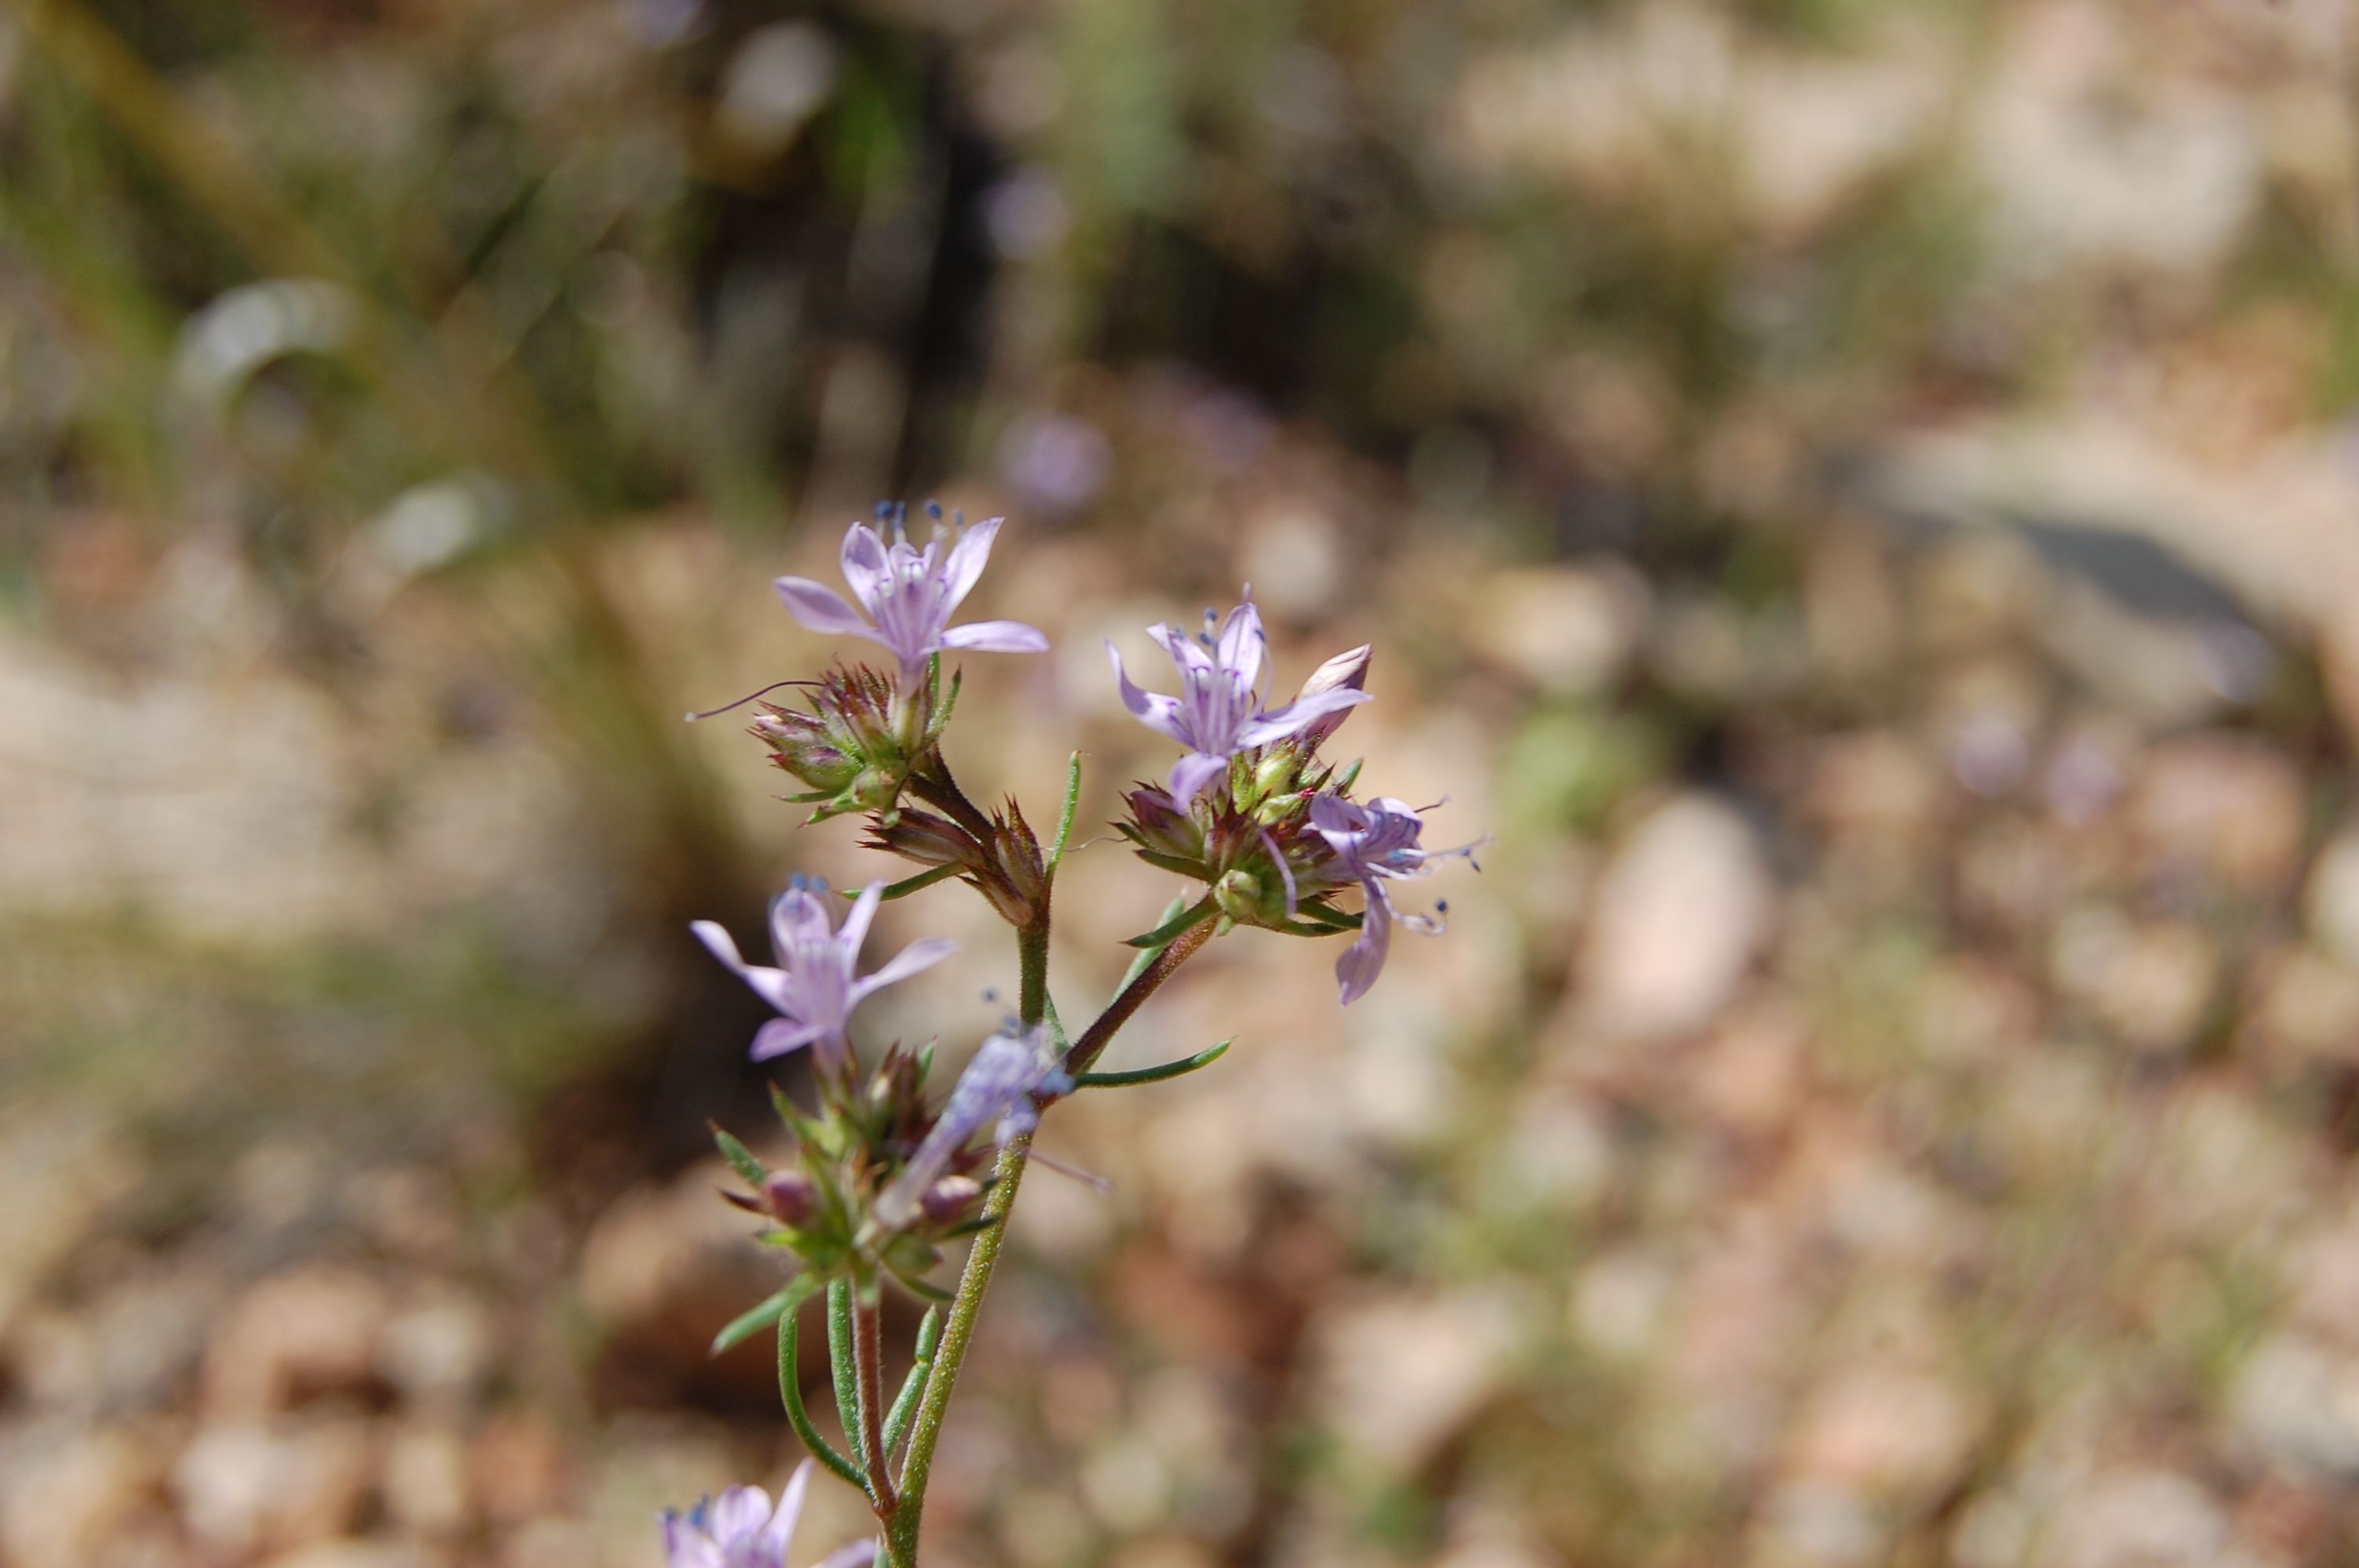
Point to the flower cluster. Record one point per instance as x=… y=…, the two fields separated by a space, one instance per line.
x=875 y=1184
x=1253 y=812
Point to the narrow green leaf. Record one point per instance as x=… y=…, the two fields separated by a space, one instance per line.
x=1163 y=936
x=840 y=1363
x=740 y=1159
x=1153 y=1075
x=1065 y=817
x=1324 y=914
x=747 y=1324
x=908 y=885
x=1139 y=965
x=791 y=1394
x=905 y=1403
x=1056 y=1025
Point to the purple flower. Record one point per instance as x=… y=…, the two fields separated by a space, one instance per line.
x=1219 y=711
x=1374 y=844
x=814 y=988
x=738 y=1530
x=997 y=1086
x=908 y=595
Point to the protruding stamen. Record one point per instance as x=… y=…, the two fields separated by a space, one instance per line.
x=716 y=712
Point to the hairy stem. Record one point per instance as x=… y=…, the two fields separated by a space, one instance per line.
x=935 y=787
x=1127 y=1001
x=868 y=1358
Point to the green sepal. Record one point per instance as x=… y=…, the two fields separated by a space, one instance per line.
x=1186 y=1065
x=740 y=1159
x=800 y=1125
x=755 y=1319
x=1341 y=781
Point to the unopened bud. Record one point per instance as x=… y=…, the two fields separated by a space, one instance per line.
x=948 y=1198
x=789 y=1197
x=1346 y=669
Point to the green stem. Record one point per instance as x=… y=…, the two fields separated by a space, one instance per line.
x=958 y=1331
x=958 y=1328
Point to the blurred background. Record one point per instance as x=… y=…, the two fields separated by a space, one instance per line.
x=1861 y=499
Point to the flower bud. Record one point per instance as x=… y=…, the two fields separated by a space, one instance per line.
x=788 y=1196
x=948 y=1198
x=800 y=743
x=1345 y=670
x=1247 y=898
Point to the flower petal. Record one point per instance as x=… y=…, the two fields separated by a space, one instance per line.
x=922 y=954
x=1299 y=714
x=798 y=918
x=738 y=1515
x=854 y=933
x=1242 y=641
x=1157 y=712
x=966 y=560
x=997 y=637
x=821 y=608
x=1185 y=651
x=768 y=984
x=780 y=1533
x=1364 y=960
x=1191 y=773
x=1332 y=814
x=854 y=1555
x=864 y=563
x=783 y=1036
x=686 y=1545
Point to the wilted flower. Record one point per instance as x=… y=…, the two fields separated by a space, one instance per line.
x=997 y=1087
x=908 y=595
x=1374 y=844
x=1219 y=711
x=738 y=1530
x=814 y=988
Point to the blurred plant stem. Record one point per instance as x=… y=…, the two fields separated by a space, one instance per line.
x=444 y=371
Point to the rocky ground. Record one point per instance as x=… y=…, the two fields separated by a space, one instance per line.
x=1862 y=517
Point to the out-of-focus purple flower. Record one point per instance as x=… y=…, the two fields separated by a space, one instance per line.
x=909 y=594
x=814 y=986
x=1058 y=461
x=1219 y=711
x=1375 y=844
x=739 y=1529
x=997 y=1087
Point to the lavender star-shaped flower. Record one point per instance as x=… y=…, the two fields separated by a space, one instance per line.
x=738 y=1530
x=1219 y=711
x=909 y=594
x=816 y=984
x=1375 y=844
x=997 y=1086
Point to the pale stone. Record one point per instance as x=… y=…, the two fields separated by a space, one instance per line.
x=1401 y=1374
x=1680 y=911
